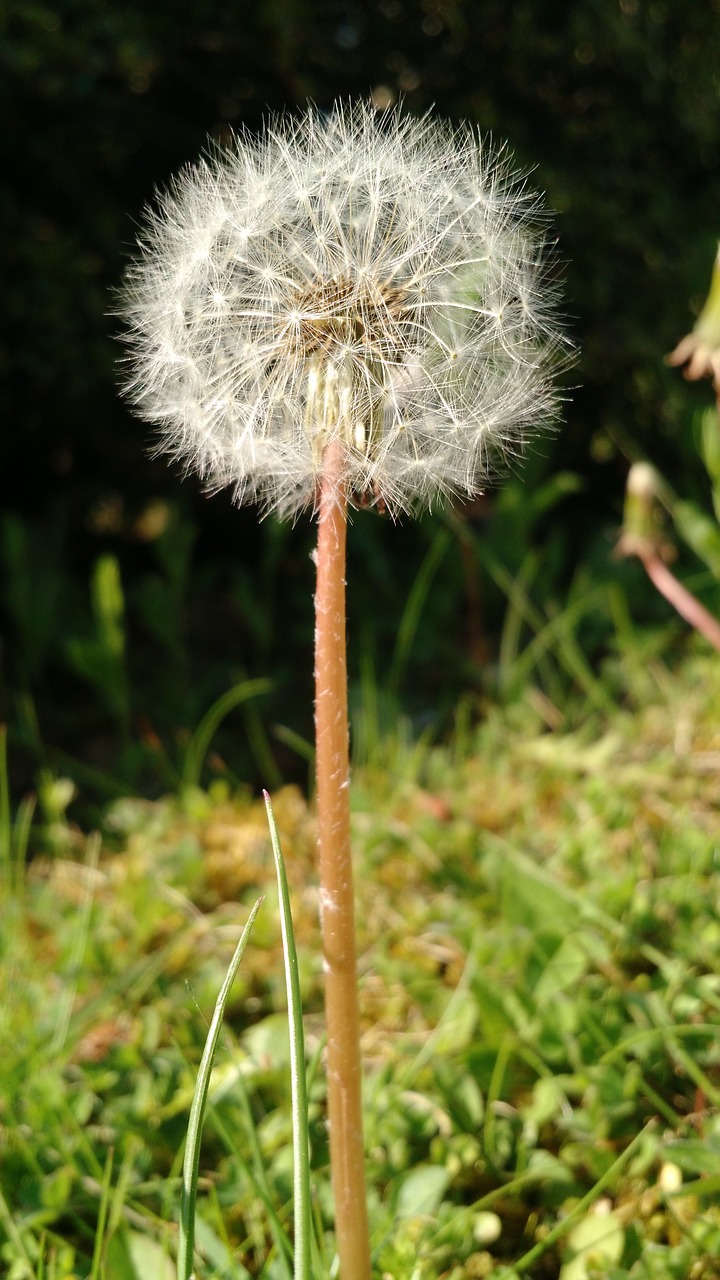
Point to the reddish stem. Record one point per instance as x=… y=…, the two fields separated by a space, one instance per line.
x=681 y=599
x=347 y=1156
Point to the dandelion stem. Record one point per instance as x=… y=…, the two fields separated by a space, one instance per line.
x=681 y=599
x=336 y=881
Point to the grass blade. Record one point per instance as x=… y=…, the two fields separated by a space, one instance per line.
x=301 y=1137
x=5 y=820
x=200 y=742
x=413 y=608
x=563 y=1226
x=191 y=1163
x=100 y=1233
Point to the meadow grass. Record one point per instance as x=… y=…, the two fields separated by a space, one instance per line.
x=539 y=933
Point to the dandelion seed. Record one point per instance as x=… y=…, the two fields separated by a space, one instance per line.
x=366 y=277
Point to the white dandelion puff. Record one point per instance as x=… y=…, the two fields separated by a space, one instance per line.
x=366 y=277
x=348 y=308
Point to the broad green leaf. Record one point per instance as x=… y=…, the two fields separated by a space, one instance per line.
x=597 y=1243
x=700 y=532
x=694 y=1155
x=132 y=1256
x=149 y=1258
x=533 y=902
x=422 y=1190
x=564 y=968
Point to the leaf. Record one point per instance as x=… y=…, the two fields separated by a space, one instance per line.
x=700 y=532
x=199 y=744
x=191 y=1161
x=598 y=1242
x=532 y=901
x=109 y=605
x=149 y=1258
x=710 y=446
x=694 y=1155
x=100 y=659
x=133 y=1256
x=422 y=1190
x=302 y=1210
x=563 y=969
x=215 y=1252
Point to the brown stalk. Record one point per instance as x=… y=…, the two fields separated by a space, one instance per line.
x=681 y=599
x=347 y=1155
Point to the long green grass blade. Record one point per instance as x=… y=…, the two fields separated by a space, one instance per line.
x=256 y=1173
x=68 y=994
x=205 y=732
x=100 y=1237
x=5 y=820
x=16 y=1239
x=301 y=1137
x=191 y=1163
x=563 y=1227
x=414 y=607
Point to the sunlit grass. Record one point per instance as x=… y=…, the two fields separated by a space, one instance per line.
x=539 y=939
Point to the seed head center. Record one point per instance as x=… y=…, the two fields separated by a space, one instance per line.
x=340 y=315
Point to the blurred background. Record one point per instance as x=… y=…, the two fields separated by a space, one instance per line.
x=131 y=602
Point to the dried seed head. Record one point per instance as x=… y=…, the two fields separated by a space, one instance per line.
x=372 y=278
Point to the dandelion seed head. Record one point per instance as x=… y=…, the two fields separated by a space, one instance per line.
x=364 y=276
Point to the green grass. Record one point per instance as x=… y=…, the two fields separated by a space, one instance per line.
x=539 y=930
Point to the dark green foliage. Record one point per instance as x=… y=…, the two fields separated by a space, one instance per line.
x=615 y=104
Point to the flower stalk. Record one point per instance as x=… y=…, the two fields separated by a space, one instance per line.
x=641 y=536
x=682 y=600
x=336 y=876
x=354 y=309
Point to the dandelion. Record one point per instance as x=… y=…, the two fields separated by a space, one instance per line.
x=372 y=279
x=353 y=309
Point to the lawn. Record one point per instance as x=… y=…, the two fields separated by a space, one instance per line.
x=539 y=931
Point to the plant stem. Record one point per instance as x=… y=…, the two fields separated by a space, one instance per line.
x=347 y=1157
x=681 y=599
